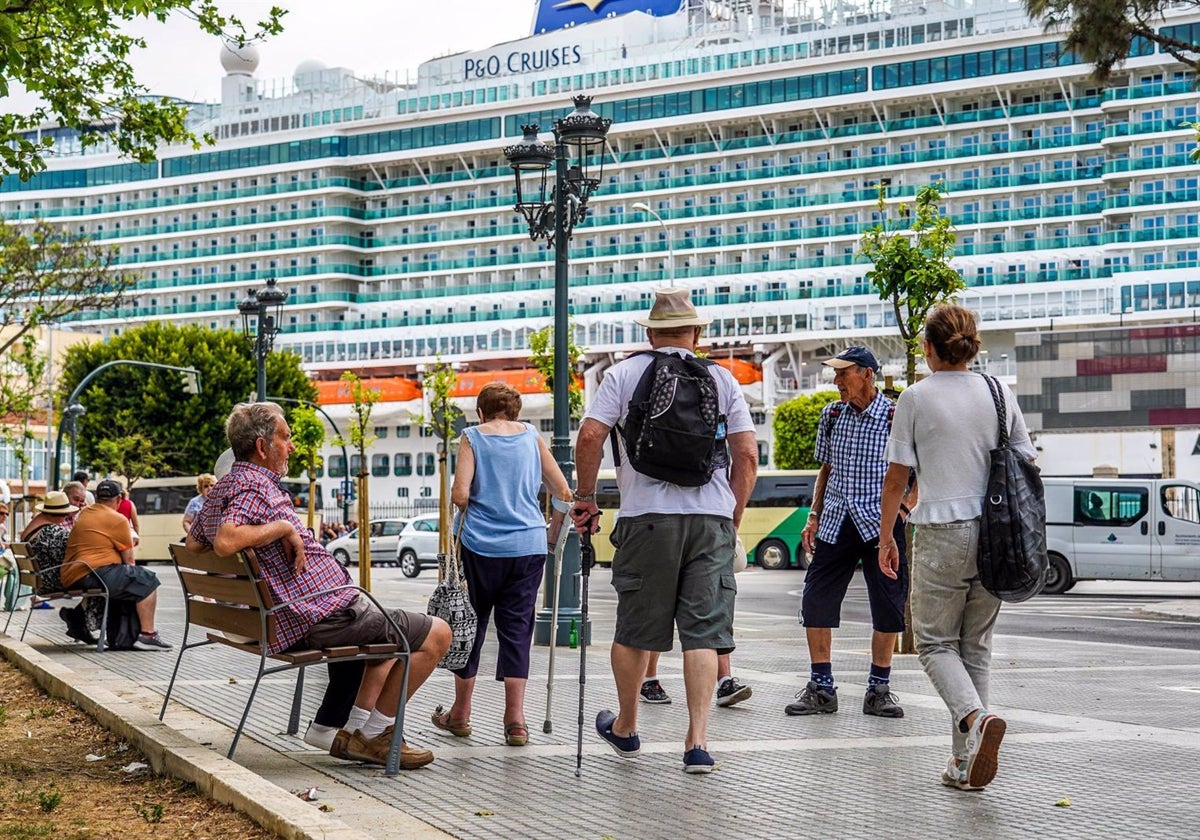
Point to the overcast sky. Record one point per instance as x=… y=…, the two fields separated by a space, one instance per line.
x=370 y=36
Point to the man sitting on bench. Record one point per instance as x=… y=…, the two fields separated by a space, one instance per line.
x=247 y=509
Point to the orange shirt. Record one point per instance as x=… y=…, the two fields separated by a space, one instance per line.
x=98 y=537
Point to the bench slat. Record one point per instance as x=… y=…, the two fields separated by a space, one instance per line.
x=244 y=622
x=379 y=648
x=340 y=651
x=208 y=561
x=234 y=590
x=294 y=657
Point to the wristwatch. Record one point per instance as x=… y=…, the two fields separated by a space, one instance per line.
x=584 y=497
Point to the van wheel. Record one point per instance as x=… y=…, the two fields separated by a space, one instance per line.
x=1058 y=576
x=409 y=564
x=772 y=554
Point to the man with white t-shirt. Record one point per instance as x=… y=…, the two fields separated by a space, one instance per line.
x=673 y=566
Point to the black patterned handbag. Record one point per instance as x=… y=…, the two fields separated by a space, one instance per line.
x=1012 y=540
x=451 y=603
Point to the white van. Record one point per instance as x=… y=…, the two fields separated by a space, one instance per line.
x=1121 y=529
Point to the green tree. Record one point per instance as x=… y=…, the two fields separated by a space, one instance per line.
x=21 y=378
x=48 y=274
x=308 y=436
x=439 y=382
x=74 y=55
x=128 y=451
x=1103 y=32
x=188 y=431
x=795 y=427
x=541 y=355
x=360 y=436
x=911 y=253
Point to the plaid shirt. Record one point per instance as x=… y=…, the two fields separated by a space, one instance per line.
x=250 y=495
x=853 y=449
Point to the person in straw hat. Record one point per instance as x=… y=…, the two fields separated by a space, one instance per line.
x=669 y=538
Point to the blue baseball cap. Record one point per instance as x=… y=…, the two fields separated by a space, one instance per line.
x=856 y=355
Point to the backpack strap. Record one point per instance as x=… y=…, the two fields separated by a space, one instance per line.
x=834 y=414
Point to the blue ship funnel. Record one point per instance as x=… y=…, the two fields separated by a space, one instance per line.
x=555 y=14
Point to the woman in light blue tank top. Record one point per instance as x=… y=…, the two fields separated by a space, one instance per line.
x=502 y=464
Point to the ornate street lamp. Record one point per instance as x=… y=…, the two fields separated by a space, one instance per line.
x=578 y=156
x=261 y=314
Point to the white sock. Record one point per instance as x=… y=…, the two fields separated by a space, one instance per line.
x=375 y=724
x=358 y=718
x=724 y=680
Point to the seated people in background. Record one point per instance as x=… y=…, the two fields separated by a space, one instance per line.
x=101 y=539
x=204 y=483
x=248 y=509
x=46 y=537
x=77 y=496
x=83 y=478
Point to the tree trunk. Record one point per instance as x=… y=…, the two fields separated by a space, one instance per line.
x=312 y=503
x=364 y=533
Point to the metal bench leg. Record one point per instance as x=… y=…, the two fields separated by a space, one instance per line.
x=393 y=760
x=28 y=616
x=294 y=718
x=246 y=712
x=102 y=633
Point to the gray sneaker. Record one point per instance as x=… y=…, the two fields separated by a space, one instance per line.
x=881 y=702
x=813 y=700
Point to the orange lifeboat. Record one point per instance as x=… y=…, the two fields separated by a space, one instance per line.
x=746 y=373
x=524 y=380
x=391 y=389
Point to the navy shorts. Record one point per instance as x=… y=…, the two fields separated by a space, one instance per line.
x=124 y=582
x=833 y=566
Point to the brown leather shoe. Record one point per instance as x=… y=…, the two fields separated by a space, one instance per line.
x=340 y=741
x=375 y=750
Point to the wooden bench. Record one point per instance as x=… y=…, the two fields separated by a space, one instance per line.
x=228 y=595
x=30 y=575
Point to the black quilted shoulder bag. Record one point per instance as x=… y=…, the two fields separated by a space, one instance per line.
x=1012 y=541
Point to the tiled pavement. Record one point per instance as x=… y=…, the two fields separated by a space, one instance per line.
x=1112 y=728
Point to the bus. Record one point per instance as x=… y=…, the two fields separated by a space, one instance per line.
x=161 y=501
x=771 y=526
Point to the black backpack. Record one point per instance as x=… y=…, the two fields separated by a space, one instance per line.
x=123 y=624
x=1012 y=540
x=674 y=430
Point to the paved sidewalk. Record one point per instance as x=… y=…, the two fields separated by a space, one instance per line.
x=1112 y=728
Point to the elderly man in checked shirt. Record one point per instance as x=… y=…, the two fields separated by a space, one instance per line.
x=844 y=523
x=247 y=509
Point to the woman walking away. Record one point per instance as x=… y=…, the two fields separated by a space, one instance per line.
x=945 y=426
x=501 y=465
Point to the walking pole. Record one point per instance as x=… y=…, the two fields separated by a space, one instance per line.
x=587 y=559
x=564 y=528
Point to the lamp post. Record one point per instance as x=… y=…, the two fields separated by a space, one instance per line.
x=260 y=319
x=643 y=207
x=71 y=415
x=577 y=137
x=191 y=385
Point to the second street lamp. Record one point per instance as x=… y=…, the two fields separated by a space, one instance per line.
x=261 y=314
x=579 y=140
x=643 y=207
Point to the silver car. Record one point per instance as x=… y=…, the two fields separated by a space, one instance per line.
x=418 y=545
x=384 y=537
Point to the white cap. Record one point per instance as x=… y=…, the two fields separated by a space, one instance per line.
x=224 y=464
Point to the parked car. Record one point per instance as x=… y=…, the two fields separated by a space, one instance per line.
x=384 y=536
x=418 y=545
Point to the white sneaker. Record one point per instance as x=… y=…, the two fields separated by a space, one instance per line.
x=983 y=748
x=320 y=736
x=955 y=774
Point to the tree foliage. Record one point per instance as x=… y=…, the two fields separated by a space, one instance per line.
x=128 y=451
x=795 y=426
x=308 y=436
x=541 y=356
x=911 y=252
x=360 y=432
x=1102 y=32
x=75 y=56
x=440 y=380
x=21 y=377
x=187 y=431
x=47 y=274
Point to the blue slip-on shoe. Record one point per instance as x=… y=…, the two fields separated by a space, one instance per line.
x=625 y=747
x=697 y=760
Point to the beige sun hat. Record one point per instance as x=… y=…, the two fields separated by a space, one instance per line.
x=56 y=501
x=672 y=308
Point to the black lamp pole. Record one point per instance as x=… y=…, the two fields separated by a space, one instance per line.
x=261 y=312
x=553 y=218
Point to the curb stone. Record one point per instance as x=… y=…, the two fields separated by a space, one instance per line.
x=171 y=753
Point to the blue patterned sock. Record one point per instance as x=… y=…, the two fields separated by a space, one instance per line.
x=879 y=675
x=822 y=674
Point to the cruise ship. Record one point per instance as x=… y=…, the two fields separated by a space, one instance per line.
x=757 y=131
